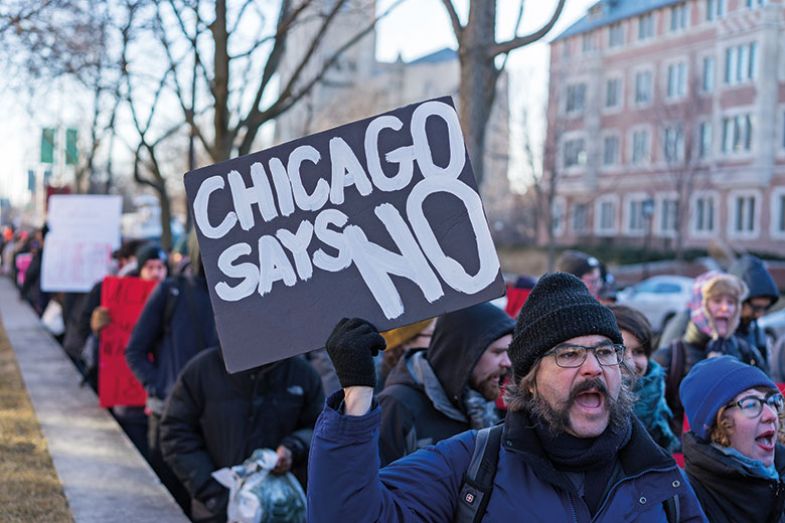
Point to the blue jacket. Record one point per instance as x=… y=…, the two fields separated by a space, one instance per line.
x=345 y=483
x=190 y=329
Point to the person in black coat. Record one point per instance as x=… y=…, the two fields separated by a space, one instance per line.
x=214 y=420
x=434 y=394
x=762 y=295
x=734 y=459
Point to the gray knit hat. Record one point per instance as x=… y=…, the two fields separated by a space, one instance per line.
x=559 y=308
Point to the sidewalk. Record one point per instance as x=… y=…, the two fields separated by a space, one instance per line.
x=103 y=476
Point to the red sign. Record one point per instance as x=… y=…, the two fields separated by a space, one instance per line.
x=125 y=298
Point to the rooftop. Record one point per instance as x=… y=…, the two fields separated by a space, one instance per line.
x=606 y=12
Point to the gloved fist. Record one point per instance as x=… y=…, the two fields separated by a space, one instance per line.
x=352 y=346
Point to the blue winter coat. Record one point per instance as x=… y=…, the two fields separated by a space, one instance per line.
x=345 y=483
x=191 y=329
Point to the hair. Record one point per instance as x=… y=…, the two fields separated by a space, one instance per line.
x=634 y=322
x=522 y=396
x=723 y=426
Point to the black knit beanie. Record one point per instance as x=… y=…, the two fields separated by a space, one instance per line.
x=559 y=308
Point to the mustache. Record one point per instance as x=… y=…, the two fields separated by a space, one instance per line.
x=593 y=384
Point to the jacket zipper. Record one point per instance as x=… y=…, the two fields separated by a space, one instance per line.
x=572 y=507
x=623 y=480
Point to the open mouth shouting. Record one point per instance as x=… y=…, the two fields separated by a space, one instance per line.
x=767 y=440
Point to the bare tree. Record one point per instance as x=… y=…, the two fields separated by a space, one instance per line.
x=478 y=49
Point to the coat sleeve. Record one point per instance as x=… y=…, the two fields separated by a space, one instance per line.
x=182 y=443
x=397 y=435
x=299 y=442
x=145 y=336
x=345 y=483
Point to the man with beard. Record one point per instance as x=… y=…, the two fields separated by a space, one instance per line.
x=449 y=388
x=570 y=448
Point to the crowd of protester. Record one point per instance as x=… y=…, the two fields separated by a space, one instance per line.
x=559 y=406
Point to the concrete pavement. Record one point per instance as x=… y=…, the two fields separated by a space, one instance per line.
x=103 y=476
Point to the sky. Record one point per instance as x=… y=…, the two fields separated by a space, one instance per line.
x=413 y=29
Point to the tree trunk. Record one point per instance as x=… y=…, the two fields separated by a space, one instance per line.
x=223 y=138
x=478 y=80
x=166 y=216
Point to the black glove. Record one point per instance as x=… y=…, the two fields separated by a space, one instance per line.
x=352 y=346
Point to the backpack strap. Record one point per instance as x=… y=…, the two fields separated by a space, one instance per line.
x=478 y=480
x=672 y=509
x=174 y=290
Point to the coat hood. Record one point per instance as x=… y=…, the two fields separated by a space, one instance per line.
x=753 y=272
x=459 y=339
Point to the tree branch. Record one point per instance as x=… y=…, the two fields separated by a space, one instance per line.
x=521 y=41
x=457 y=28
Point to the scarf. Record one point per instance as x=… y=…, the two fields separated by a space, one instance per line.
x=652 y=409
x=595 y=457
x=480 y=411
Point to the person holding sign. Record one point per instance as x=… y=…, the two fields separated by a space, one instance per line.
x=569 y=450
x=450 y=387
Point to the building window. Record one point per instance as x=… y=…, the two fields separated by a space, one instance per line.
x=558 y=216
x=707 y=79
x=607 y=217
x=616 y=35
x=612 y=92
x=740 y=63
x=677 y=80
x=580 y=217
x=574 y=152
x=587 y=44
x=610 y=150
x=640 y=147
x=744 y=214
x=737 y=133
x=703 y=215
x=752 y=4
x=678 y=17
x=673 y=144
x=576 y=98
x=704 y=140
x=643 y=81
x=778 y=219
x=668 y=215
x=646 y=26
x=636 y=221
x=715 y=9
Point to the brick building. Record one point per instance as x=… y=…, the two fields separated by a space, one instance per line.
x=666 y=124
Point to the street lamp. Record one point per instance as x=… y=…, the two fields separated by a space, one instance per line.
x=647 y=211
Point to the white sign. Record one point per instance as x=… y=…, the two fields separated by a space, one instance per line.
x=83 y=232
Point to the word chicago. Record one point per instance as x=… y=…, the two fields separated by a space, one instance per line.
x=286 y=255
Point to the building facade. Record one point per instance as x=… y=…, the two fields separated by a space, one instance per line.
x=666 y=125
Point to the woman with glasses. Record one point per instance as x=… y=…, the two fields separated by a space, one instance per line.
x=734 y=455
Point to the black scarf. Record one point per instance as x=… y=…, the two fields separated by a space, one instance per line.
x=726 y=493
x=595 y=457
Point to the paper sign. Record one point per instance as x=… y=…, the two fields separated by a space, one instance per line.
x=125 y=299
x=379 y=219
x=83 y=232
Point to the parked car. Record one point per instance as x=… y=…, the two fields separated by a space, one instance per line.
x=773 y=324
x=658 y=298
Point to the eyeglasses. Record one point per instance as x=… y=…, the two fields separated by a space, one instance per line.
x=752 y=406
x=758 y=309
x=571 y=356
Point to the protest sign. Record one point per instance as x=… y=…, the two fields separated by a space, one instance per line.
x=125 y=299
x=83 y=232
x=379 y=219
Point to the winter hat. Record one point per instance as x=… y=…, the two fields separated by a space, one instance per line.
x=708 y=285
x=576 y=263
x=149 y=251
x=559 y=308
x=459 y=339
x=711 y=384
x=752 y=271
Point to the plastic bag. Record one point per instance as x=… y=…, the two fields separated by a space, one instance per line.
x=52 y=318
x=257 y=496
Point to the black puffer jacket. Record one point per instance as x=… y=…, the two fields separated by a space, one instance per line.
x=214 y=420
x=761 y=285
x=726 y=493
x=422 y=402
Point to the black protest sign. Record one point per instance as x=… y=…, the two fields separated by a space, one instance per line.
x=378 y=219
